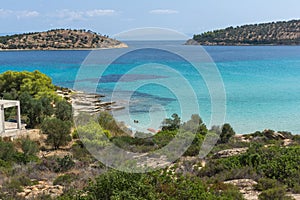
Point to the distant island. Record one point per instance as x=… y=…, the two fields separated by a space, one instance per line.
x=274 y=33
x=58 y=39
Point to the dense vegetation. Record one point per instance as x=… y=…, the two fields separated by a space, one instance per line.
x=37 y=96
x=59 y=156
x=279 y=33
x=58 y=39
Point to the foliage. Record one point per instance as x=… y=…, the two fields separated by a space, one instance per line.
x=226 y=133
x=7 y=151
x=57 y=164
x=29 y=149
x=195 y=125
x=93 y=136
x=107 y=122
x=64 y=180
x=65 y=163
x=278 y=193
x=37 y=97
x=35 y=83
x=280 y=163
x=171 y=124
x=55 y=39
x=157 y=185
x=162 y=138
x=63 y=110
x=57 y=130
x=80 y=152
x=12 y=186
x=255 y=34
x=120 y=185
x=267 y=183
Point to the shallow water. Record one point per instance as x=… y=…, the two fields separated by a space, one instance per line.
x=262 y=84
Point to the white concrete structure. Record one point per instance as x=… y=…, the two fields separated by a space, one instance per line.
x=7 y=104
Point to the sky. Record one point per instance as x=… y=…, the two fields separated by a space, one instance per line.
x=115 y=16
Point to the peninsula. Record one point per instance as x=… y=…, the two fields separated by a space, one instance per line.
x=274 y=33
x=58 y=39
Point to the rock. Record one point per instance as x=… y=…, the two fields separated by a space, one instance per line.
x=295 y=196
x=192 y=42
x=22 y=194
x=246 y=188
x=230 y=152
x=27 y=191
x=30 y=192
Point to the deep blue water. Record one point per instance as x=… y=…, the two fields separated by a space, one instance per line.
x=262 y=83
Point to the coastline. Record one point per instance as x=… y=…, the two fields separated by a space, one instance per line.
x=192 y=42
x=67 y=49
x=87 y=102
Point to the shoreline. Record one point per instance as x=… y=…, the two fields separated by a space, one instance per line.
x=87 y=102
x=75 y=49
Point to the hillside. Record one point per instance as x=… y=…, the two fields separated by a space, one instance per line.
x=274 y=33
x=58 y=39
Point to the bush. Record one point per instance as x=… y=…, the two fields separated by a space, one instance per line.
x=35 y=92
x=7 y=151
x=57 y=130
x=81 y=153
x=266 y=183
x=63 y=110
x=107 y=122
x=274 y=194
x=226 y=133
x=57 y=164
x=93 y=136
x=75 y=134
x=120 y=185
x=171 y=124
x=30 y=149
x=64 y=164
x=64 y=180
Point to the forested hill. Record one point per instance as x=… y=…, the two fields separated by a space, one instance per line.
x=274 y=33
x=58 y=39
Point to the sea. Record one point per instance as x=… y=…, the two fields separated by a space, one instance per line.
x=251 y=87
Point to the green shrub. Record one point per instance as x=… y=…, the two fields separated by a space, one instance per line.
x=75 y=134
x=64 y=164
x=12 y=186
x=7 y=151
x=56 y=164
x=226 y=133
x=64 y=180
x=266 y=183
x=30 y=149
x=63 y=110
x=81 y=153
x=274 y=194
x=58 y=132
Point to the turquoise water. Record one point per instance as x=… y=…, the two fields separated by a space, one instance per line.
x=262 y=84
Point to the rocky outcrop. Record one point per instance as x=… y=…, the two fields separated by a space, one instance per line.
x=246 y=188
x=42 y=188
x=192 y=42
x=87 y=102
x=58 y=39
x=230 y=152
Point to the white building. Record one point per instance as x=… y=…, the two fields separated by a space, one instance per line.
x=7 y=104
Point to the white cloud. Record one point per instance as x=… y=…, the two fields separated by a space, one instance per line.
x=72 y=15
x=25 y=13
x=5 y=13
x=163 y=11
x=99 y=12
x=69 y=15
